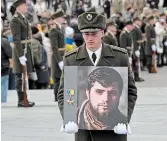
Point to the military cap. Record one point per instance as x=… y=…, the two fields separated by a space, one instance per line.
x=92 y=9
x=110 y=23
x=128 y=22
x=18 y=3
x=91 y=22
x=162 y=14
x=150 y=17
x=136 y=19
x=57 y=14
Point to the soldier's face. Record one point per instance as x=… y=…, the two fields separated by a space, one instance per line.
x=113 y=29
x=23 y=8
x=93 y=39
x=103 y=99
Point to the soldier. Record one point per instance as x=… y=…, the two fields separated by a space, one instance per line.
x=57 y=42
x=96 y=53
x=126 y=37
x=21 y=32
x=150 y=41
x=138 y=44
x=110 y=36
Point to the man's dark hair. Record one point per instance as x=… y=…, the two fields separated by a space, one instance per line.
x=105 y=76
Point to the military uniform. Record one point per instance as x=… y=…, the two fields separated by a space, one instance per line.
x=126 y=41
x=57 y=41
x=110 y=56
x=138 y=45
x=150 y=40
x=110 y=39
x=21 y=32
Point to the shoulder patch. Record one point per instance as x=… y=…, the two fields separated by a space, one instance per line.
x=71 y=52
x=118 y=49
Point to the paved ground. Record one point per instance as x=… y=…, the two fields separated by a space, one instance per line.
x=43 y=122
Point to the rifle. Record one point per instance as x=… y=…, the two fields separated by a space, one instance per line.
x=154 y=59
x=154 y=62
x=25 y=85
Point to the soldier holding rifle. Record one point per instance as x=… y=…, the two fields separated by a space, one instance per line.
x=22 y=53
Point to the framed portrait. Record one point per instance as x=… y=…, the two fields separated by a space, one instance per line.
x=95 y=97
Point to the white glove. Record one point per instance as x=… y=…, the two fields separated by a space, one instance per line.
x=153 y=47
x=130 y=60
x=23 y=60
x=137 y=53
x=70 y=128
x=165 y=43
x=61 y=65
x=122 y=129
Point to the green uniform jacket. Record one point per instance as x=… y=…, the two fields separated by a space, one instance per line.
x=137 y=40
x=111 y=56
x=150 y=39
x=126 y=40
x=110 y=39
x=57 y=41
x=21 y=32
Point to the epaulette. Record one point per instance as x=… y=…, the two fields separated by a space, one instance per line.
x=15 y=15
x=71 y=52
x=118 y=49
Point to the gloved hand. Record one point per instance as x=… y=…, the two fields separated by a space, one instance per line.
x=130 y=60
x=23 y=60
x=165 y=43
x=122 y=129
x=70 y=128
x=61 y=65
x=137 y=53
x=153 y=47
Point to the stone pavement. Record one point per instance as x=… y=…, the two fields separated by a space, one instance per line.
x=43 y=122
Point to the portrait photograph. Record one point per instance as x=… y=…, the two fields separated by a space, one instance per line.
x=102 y=96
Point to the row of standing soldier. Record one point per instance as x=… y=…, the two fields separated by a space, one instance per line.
x=142 y=48
x=130 y=38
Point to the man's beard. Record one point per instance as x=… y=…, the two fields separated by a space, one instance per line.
x=100 y=116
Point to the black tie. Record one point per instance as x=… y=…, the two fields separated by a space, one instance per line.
x=94 y=57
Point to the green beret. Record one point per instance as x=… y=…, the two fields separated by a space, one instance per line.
x=57 y=14
x=91 y=22
x=18 y=3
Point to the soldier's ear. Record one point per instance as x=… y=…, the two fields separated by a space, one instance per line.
x=102 y=31
x=87 y=94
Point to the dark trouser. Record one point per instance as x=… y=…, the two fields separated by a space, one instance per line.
x=19 y=87
x=85 y=135
x=11 y=80
x=149 y=62
x=56 y=86
x=160 y=58
x=136 y=66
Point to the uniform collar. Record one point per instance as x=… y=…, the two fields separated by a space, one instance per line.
x=83 y=54
x=97 y=52
x=126 y=30
x=59 y=25
x=110 y=33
